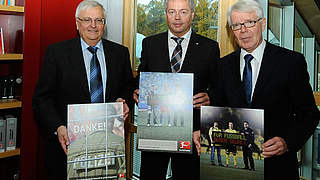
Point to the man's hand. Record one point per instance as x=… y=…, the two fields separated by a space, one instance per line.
x=201 y=99
x=274 y=147
x=196 y=140
x=63 y=137
x=136 y=95
x=125 y=108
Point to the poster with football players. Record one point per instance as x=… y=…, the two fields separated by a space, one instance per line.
x=165 y=117
x=97 y=146
x=231 y=143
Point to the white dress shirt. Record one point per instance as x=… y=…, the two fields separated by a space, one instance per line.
x=87 y=55
x=184 y=44
x=255 y=63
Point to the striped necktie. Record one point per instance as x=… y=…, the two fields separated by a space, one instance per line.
x=176 y=55
x=96 y=87
x=247 y=78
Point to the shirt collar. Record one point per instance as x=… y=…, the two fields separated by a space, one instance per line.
x=84 y=45
x=257 y=53
x=186 y=36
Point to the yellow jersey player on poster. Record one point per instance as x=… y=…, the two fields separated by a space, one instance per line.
x=215 y=128
x=231 y=148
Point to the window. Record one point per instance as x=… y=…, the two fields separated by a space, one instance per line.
x=151 y=19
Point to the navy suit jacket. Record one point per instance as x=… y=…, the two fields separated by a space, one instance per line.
x=63 y=81
x=284 y=92
x=201 y=59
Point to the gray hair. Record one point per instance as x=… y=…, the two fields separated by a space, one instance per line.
x=191 y=4
x=245 y=6
x=87 y=4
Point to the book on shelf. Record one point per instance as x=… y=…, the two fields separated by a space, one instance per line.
x=11 y=132
x=3 y=87
x=1 y=42
x=2 y=134
x=11 y=87
x=8 y=2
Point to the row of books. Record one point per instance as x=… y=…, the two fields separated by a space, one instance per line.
x=8 y=2
x=8 y=86
x=8 y=133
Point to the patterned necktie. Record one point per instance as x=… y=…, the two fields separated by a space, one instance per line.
x=96 y=87
x=176 y=55
x=247 y=78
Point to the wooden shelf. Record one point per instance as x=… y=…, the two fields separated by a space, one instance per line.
x=9 y=103
x=19 y=9
x=13 y=57
x=11 y=153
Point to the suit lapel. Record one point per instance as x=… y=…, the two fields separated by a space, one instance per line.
x=267 y=66
x=76 y=57
x=237 y=76
x=108 y=59
x=164 y=55
x=191 y=51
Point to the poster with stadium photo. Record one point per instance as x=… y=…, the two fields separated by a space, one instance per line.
x=97 y=147
x=165 y=117
x=231 y=143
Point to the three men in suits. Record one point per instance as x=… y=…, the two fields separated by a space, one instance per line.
x=199 y=56
x=66 y=78
x=260 y=75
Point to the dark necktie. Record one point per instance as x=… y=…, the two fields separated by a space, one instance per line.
x=96 y=87
x=247 y=78
x=176 y=55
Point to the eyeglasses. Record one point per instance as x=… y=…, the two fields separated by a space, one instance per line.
x=87 y=21
x=247 y=24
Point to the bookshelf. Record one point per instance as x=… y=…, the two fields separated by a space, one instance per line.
x=10 y=9
x=11 y=153
x=11 y=57
x=12 y=20
x=11 y=103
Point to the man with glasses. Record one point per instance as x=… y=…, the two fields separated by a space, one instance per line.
x=260 y=75
x=86 y=69
x=198 y=55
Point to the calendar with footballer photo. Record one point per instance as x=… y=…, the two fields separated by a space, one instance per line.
x=231 y=143
x=165 y=117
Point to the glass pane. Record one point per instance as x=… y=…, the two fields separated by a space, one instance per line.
x=274 y=25
x=151 y=19
x=298 y=41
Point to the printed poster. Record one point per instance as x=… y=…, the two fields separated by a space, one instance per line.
x=165 y=117
x=229 y=138
x=97 y=146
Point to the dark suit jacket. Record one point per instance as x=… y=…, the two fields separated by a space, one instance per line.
x=284 y=92
x=201 y=59
x=63 y=81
